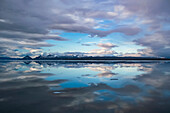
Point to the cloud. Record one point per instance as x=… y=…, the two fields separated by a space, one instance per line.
x=33 y=21
x=147 y=52
x=127 y=30
x=86 y=44
x=106 y=45
x=152 y=12
x=24 y=24
x=106 y=49
x=74 y=53
x=131 y=55
x=158 y=43
x=101 y=52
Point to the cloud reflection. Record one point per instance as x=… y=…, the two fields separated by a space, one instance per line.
x=140 y=87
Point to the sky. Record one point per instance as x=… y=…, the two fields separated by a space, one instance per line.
x=139 y=28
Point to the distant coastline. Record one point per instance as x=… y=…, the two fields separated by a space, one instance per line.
x=86 y=58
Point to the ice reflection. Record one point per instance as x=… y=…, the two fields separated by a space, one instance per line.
x=76 y=87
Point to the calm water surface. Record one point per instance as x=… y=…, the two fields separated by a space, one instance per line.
x=84 y=87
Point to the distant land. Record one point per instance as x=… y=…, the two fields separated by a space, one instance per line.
x=8 y=58
x=51 y=57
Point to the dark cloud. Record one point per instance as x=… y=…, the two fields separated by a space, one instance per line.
x=26 y=24
x=86 y=44
x=158 y=42
x=93 y=32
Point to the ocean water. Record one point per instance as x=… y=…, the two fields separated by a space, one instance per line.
x=85 y=87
